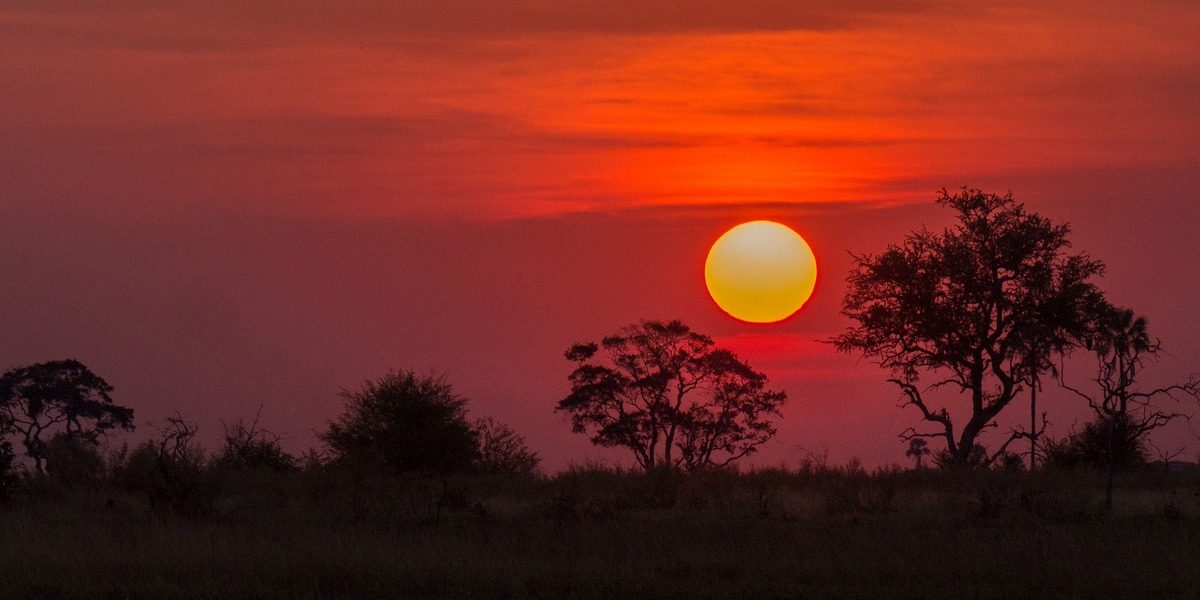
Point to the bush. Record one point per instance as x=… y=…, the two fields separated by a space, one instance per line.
x=1090 y=446
x=248 y=447
x=10 y=477
x=503 y=451
x=406 y=422
x=171 y=472
x=72 y=461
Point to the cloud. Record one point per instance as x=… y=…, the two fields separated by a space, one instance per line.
x=531 y=108
x=230 y=24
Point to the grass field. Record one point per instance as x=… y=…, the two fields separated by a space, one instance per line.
x=592 y=533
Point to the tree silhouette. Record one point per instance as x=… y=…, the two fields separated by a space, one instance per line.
x=171 y=470
x=73 y=461
x=981 y=308
x=407 y=423
x=10 y=477
x=252 y=447
x=1126 y=415
x=670 y=396
x=918 y=449
x=1101 y=443
x=502 y=450
x=61 y=395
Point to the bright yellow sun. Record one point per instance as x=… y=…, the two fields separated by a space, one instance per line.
x=760 y=272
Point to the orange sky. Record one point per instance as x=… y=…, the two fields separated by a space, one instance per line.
x=215 y=191
x=399 y=109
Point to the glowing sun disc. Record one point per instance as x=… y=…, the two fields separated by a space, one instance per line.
x=760 y=272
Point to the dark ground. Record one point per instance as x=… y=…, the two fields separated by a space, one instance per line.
x=599 y=534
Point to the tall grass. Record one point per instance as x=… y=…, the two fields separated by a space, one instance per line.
x=600 y=533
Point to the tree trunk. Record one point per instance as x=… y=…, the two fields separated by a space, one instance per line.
x=1108 y=486
x=1033 y=424
x=1112 y=466
x=966 y=445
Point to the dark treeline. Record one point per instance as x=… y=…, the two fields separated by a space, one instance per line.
x=402 y=425
x=965 y=321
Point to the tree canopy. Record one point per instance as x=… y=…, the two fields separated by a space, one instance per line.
x=978 y=309
x=670 y=396
x=407 y=422
x=39 y=400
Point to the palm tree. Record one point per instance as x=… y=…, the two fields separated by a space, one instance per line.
x=1122 y=346
x=917 y=450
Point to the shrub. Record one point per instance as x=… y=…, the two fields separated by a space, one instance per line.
x=248 y=447
x=1090 y=446
x=503 y=451
x=406 y=422
x=171 y=472
x=10 y=477
x=72 y=461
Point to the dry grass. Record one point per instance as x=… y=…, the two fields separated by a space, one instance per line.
x=603 y=534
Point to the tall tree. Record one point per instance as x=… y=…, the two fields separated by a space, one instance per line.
x=1125 y=414
x=979 y=309
x=670 y=396
x=62 y=395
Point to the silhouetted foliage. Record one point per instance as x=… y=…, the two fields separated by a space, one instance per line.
x=918 y=449
x=251 y=447
x=1008 y=461
x=1125 y=414
x=10 y=478
x=978 y=459
x=670 y=396
x=980 y=308
x=503 y=451
x=73 y=461
x=1099 y=444
x=406 y=422
x=62 y=395
x=171 y=471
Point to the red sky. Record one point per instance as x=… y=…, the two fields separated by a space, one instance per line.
x=219 y=206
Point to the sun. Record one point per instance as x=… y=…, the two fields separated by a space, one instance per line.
x=760 y=272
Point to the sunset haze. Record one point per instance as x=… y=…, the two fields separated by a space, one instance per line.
x=225 y=205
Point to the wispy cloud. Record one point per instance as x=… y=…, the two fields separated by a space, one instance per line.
x=513 y=109
x=228 y=24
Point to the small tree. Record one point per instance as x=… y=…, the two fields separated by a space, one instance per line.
x=172 y=471
x=252 y=447
x=1125 y=414
x=62 y=395
x=670 y=396
x=405 y=422
x=918 y=449
x=501 y=450
x=980 y=308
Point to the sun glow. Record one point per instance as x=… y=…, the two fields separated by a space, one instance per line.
x=760 y=272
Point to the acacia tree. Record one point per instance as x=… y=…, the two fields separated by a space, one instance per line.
x=670 y=396
x=979 y=309
x=1125 y=415
x=58 y=396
